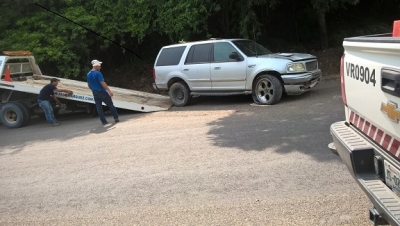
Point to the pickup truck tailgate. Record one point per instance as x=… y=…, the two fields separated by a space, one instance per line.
x=374 y=95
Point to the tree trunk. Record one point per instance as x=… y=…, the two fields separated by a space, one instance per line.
x=322 y=29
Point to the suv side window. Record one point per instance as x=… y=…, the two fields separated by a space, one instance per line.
x=170 y=56
x=199 y=54
x=222 y=51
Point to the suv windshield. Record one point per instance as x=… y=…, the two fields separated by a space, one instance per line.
x=251 y=48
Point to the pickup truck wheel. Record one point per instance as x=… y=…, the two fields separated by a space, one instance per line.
x=179 y=94
x=267 y=90
x=11 y=115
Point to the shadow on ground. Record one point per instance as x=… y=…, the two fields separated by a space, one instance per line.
x=72 y=125
x=296 y=124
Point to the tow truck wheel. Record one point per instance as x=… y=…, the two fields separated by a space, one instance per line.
x=91 y=110
x=11 y=115
x=26 y=111
x=179 y=94
x=267 y=90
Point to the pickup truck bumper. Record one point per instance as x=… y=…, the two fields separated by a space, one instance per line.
x=358 y=153
x=300 y=83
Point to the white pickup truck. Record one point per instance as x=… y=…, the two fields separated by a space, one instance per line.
x=21 y=81
x=368 y=141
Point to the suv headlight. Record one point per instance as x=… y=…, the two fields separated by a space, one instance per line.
x=296 y=67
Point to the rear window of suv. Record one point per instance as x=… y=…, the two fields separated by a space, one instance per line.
x=199 y=54
x=170 y=56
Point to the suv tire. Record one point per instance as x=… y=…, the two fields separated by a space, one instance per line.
x=180 y=94
x=267 y=90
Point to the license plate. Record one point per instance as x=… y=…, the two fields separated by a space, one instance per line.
x=392 y=177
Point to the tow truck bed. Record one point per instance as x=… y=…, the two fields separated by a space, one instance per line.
x=123 y=98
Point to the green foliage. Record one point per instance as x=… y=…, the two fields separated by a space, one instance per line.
x=326 y=5
x=65 y=46
x=181 y=19
x=51 y=39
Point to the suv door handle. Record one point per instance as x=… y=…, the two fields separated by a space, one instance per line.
x=217 y=68
x=185 y=69
x=391 y=81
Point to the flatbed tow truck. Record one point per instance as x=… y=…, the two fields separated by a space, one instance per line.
x=21 y=81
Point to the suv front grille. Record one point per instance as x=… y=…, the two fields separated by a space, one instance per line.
x=312 y=65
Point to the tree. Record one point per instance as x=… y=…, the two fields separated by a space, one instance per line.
x=321 y=7
x=239 y=18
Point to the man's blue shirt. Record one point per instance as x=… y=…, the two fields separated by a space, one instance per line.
x=94 y=78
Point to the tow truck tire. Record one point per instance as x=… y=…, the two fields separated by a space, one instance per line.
x=91 y=110
x=26 y=111
x=180 y=94
x=267 y=90
x=11 y=115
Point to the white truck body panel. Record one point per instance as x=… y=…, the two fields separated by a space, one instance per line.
x=366 y=99
x=368 y=142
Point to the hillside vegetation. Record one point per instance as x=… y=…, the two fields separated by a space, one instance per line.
x=126 y=35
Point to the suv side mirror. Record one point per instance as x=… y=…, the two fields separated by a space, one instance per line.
x=234 y=56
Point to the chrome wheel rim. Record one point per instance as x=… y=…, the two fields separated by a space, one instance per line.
x=265 y=90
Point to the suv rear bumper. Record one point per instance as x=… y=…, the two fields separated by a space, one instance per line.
x=358 y=154
x=159 y=87
x=154 y=86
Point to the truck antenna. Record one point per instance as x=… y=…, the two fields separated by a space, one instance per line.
x=88 y=30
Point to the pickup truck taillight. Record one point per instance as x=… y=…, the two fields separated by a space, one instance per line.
x=342 y=80
x=154 y=74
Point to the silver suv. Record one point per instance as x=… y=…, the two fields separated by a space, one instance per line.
x=231 y=67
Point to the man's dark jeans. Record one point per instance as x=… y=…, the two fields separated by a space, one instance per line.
x=99 y=98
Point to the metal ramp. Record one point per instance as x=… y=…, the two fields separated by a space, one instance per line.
x=123 y=98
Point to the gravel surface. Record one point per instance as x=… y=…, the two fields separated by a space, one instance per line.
x=219 y=161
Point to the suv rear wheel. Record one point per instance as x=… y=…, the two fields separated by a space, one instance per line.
x=180 y=94
x=267 y=90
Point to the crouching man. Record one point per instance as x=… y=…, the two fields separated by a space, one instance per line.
x=46 y=93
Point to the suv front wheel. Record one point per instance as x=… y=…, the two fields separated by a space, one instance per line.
x=179 y=94
x=267 y=90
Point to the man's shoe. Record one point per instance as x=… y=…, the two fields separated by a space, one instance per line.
x=104 y=123
x=116 y=120
x=55 y=124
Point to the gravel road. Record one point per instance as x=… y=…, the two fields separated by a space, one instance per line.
x=219 y=161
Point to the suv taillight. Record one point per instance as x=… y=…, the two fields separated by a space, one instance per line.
x=154 y=74
x=342 y=80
